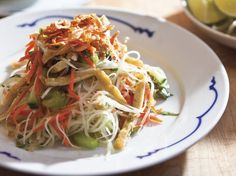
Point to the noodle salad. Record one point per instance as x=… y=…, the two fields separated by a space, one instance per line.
x=78 y=85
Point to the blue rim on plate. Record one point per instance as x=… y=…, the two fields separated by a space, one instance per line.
x=148 y=31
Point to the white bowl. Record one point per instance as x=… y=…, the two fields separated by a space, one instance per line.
x=216 y=35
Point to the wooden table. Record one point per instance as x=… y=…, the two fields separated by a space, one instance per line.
x=216 y=153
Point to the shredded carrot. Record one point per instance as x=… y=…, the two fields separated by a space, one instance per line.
x=91 y=49
x=39 y=127
x=17 y=112
x=89 y=61
x=142 y=115
x=26 y=57
x=29 y=124
x=38 y=113
x=129 y=98
x=113 y=37
x=30 y=46
x=38 y=84
x=154 y=119
x=76 y=42
x=71 y=86
x=38 y=57
x=32 y=70
x=65 y=139
x=37 y=87
x=36 y=65
x=18 y=99
x=62 y=116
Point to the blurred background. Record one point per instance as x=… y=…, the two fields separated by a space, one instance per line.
x=159 y=8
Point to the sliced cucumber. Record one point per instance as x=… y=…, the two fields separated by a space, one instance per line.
x=81 y=140
x=55 y=100
x=32 y=100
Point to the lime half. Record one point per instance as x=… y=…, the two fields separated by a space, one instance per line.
x=205 y=11
x=228 y=7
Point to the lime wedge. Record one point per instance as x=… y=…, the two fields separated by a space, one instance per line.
x=228 y=7
x=205 y=11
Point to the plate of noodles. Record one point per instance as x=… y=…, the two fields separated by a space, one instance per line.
x=96 y=91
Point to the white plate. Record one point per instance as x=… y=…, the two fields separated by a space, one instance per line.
x=197 y=78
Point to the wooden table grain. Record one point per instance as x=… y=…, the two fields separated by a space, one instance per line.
x=216 y=153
